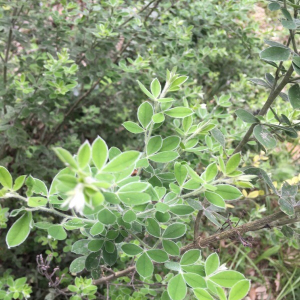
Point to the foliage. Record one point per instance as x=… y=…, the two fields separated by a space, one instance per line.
x=138 y=212
x=69 y=68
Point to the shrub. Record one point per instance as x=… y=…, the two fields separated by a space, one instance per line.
x=139 y=211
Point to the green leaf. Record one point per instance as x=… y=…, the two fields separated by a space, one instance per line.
x=18 y=182
x=233 y=163
x=221 y=294
x=180 y=173
x=154 y=144
x=57 y=232
x=194 y=280
x=95 y=245
x=171 y=248
x=239 y=290
x=66 y=157
x=274 y=6
x=37 y=201
x=93 y=260
x=19 y=231
x=158 y=118
x=179 y=112
x=134 y=198
x=275 y=54
x=190 y=257
x=143 y=88
x=134 y=187
x=133 y=127
x=177 y=288
x=228 y=192
x=174 y=231
x=215 y=199
x=227 y=279
x=211 y=172
x=172 y=265
x=77 y=265
x=155 y=88
x=5 y=178
x=97 y=228
x=261 y=174
x=81 y=247
x=202 y=294
x=153 y=227
x=181 y=209
x=106 y=217
x=129 y=216
x=178 y=82
x=294 y=96
x=158 y=255
x=110 y=258
x=164 y=157
x=286 y=206
x=246 y=117
x=145 y=113
x=212 y=264
x=122 y=162
x=170 y=143
x=84 y=155
x=289 y=24
x=144 y=266
x=131 y=249
x=264 y=137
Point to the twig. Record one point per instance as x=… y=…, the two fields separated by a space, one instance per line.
x=269 y=102
x=197 y=225
x=129 y=19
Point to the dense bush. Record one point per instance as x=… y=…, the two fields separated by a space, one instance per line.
x=139 y=218
x=69 y=68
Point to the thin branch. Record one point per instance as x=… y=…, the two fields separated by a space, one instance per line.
x=197 y=225
x=114 y=276
x=129 y=19
x=274 y=220
x=273 y=95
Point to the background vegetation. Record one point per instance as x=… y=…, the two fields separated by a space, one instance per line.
x=69 y=73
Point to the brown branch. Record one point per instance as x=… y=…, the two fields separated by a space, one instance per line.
x=114 y=276
x=274 y=220
x=197 y=225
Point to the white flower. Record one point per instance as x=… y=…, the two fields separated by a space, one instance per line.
x=76 y=199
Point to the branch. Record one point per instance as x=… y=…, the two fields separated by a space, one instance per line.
x=197 y=224
x=129 y=19
x=274 y=220
x=273 y=95
x=114 y=276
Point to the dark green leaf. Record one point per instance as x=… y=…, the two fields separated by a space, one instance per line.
x=246 y=117
x=131 y=249
x=275 y=54
x=294 y=96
